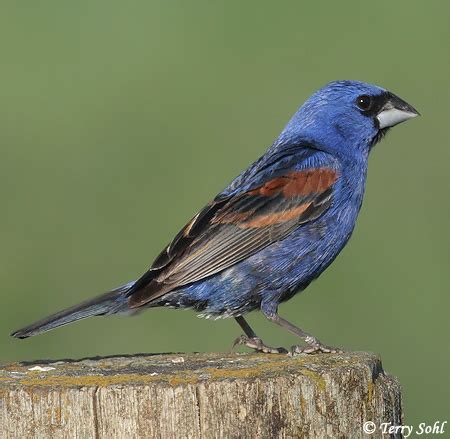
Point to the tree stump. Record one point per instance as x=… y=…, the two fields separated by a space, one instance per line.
x=198 y=396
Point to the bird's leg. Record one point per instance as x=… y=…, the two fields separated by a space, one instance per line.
x=313 y=345
x=251 y=340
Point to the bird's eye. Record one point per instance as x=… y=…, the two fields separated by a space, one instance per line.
x=364 y=102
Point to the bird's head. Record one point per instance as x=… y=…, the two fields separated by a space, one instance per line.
x=347 y=116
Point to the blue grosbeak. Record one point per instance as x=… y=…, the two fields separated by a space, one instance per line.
x=275 y=228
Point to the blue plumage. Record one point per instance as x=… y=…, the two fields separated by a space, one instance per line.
x=275 y=228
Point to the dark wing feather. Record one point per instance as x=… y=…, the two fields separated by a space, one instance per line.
x=232 y=228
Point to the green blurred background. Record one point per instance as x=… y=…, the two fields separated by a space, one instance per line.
x=119 y=120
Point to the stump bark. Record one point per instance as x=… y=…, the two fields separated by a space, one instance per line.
x=198 y=396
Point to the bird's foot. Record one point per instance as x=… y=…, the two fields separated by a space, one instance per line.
x=257 y=344
x=314 y=348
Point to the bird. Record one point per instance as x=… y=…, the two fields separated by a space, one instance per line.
x=274 y=229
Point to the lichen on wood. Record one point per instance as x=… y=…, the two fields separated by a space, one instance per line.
x=198 y=396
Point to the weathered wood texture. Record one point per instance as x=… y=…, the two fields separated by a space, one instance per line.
x=198 y=396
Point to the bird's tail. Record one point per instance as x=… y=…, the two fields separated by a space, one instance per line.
x=108 y=303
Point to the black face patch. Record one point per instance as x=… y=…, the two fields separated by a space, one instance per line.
x=370 y=106
x=377 y=103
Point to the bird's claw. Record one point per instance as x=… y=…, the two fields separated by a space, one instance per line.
x=257 y=344
x=314 y=348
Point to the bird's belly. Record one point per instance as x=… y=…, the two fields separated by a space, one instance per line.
x=294 y=262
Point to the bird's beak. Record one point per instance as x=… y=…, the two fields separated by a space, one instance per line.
x=395 y=111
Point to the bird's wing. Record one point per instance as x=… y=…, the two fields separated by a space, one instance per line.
x=232 y=228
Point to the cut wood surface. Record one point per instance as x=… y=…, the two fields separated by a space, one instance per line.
x=211 y=395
